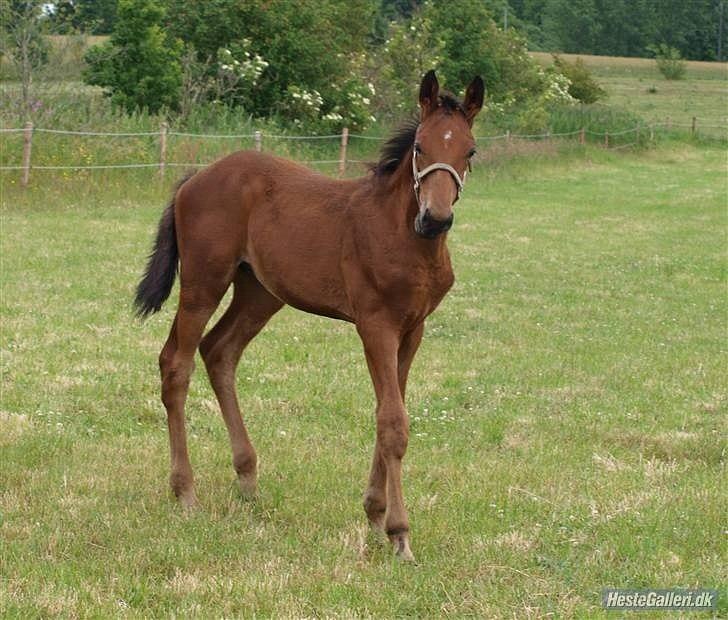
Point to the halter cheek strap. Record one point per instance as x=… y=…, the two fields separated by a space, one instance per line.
x=419 y=175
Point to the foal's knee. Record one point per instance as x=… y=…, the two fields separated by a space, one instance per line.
x=393 y=433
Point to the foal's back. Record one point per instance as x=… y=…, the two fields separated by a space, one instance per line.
x=275 y=216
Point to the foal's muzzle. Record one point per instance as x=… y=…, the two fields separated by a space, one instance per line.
x=429 y=227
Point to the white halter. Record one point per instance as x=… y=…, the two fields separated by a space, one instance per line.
x=418 y=176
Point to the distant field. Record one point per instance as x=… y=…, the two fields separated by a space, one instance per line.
x=636 y=84
x=567 y=412
x=620 y=66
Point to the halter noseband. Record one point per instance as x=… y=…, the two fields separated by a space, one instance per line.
x=419 y=175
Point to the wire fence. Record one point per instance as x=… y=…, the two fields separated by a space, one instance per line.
x=608 y=139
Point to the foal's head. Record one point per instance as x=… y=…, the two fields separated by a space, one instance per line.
x=442 y=150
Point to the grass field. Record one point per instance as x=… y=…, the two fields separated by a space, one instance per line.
x=567 y=407
x=636 y=85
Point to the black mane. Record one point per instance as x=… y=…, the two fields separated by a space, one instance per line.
x=396 y=148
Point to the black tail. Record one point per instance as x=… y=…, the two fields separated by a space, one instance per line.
x=158 y=279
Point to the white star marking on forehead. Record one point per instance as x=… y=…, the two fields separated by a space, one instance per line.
x=448 y=135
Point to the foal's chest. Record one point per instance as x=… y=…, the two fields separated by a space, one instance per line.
x=417 y=289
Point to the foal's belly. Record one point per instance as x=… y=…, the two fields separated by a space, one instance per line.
x=297 y=259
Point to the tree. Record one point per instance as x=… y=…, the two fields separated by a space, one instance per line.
x=139 y=65
x=23 y=44
x=310 y=45
x=474 y=45
x=624 y=27
x=88 y=16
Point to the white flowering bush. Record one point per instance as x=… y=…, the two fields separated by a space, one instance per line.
x=347 y=103
x=238 y=69
x=302 y=106
x=354 y=103
x=556 y=88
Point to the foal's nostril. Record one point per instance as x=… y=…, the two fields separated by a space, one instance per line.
x=431 y=227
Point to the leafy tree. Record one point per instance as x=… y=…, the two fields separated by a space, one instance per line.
x=412 y=48
x=474 y=45
x=310 y=45
x=624 y=27
x=21 y=41
x=139 y=64
x=669 y=61
x=88 y=16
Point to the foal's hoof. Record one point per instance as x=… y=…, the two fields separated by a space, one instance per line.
x=402 y=550
x=248 y=486
x=188 y=500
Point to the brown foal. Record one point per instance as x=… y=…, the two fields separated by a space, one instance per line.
x=371 y=251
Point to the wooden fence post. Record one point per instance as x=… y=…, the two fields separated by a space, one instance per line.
x=582 y=136
x=652 y=132
x=258 y=137
x=606 y=139
x=342 y=151
x=695 y=120
x=508 y=136
x=27 y=146
x=162 y=148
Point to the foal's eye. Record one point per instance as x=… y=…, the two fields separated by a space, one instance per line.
x=418 y=150
x=471 y=153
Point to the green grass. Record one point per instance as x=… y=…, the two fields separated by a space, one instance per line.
x=635 y=85
x=658 y=99
x=567 y=408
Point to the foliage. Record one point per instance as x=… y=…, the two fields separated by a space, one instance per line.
x=312 y=46
x=87 y=16
x=139 y=65
x=624 y=27
x=582 y=85
x=669 y=61
x=411 y=49
x=228 y=79
x=21 y=41
x=474 y=45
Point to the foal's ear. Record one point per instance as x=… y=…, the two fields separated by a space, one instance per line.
x=429 y=89
x=474 y=98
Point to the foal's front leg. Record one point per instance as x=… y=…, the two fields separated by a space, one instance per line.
x=381 y=345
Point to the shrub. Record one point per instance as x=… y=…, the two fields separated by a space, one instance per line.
x=138 y=65
x=669 y=61
x=583 y=86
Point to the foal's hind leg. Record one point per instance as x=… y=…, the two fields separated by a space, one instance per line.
x=196 y=305
x=221 y=348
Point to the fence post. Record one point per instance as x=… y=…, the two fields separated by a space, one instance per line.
x=258 y=137
x=582 y=136
x=162 y=148
x=695 y=120
x=652 y=132
x=606 y=139
x=508 y=136
x=548 y=135
x=27 y=146
x=669 y=123
x=342 y=151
